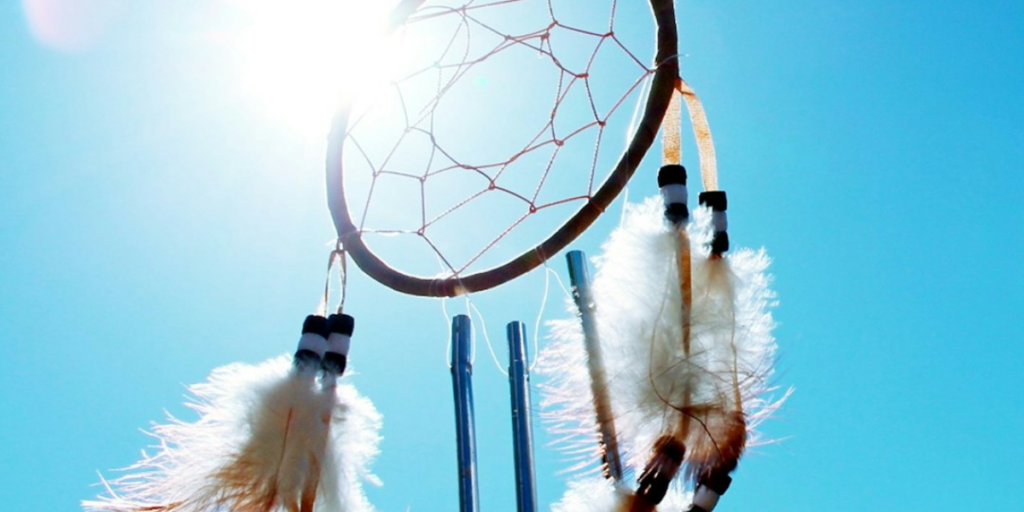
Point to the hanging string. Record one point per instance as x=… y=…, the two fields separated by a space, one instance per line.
x=702 y=133
x=671 y=136
x=567 y=295
x=448 y=343
x=343 y=270
x=337 y=255
x=540 y=314
x=487 y=338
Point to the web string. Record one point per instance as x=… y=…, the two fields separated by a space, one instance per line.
x=579 y=110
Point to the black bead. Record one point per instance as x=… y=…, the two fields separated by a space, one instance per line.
x=714 y=199
x=660 y=470
x=677 y=213
x=334 y=363
x=718 y=482
x=305 y=358
x=720 y=242
x=315 y=324
x=342 y=324
x=671 y=174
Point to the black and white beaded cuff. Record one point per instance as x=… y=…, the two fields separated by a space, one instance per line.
x=716 y=200
x=672 y=182
x=338 y=342
x=313 y=342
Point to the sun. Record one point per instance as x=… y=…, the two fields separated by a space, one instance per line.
x=302 y=57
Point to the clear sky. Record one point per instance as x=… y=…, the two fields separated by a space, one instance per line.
x=157 y=220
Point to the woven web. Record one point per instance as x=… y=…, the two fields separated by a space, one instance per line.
x=500 y=120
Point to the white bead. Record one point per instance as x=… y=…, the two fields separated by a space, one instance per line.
x=313 y=342
x=705 y=498
x=719 y=221
x=339 y=343
x=674 y=193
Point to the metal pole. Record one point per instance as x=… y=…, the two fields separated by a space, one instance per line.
x=579 y=276
x=522 y=431
x=465 y=437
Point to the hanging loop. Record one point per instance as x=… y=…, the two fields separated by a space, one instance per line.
x=337 y=255
x=671 y=138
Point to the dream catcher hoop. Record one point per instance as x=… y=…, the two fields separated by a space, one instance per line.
x=452 y=66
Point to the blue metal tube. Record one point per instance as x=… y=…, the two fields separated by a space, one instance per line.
x=465 y=430
x=579 y=276
x=522 y=431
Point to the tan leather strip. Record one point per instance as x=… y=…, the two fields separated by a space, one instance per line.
x=702 y=133
x=671 y=139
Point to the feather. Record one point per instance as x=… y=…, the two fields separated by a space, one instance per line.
x=570 y=419
x=245 y=417
x=264 y=441
x=279 y=464
x=352 y=447
x=694 y=371
x=354 y=429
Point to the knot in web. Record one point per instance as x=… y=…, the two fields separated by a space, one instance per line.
x=500 y=121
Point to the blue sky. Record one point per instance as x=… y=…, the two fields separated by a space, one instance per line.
x=157 y=222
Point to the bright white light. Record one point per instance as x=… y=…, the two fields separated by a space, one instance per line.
x=302 y=57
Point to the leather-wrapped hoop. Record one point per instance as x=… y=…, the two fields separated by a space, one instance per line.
x=663 y=83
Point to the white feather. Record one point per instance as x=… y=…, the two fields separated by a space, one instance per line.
x=565 y=395
x=260 y=442
x=639 y=312
x=352 y=447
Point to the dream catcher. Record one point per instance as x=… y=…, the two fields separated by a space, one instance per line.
x=500 y=120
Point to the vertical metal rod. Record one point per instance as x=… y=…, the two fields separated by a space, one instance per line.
x=579 y=276
x=522 y=431
x=465 y=430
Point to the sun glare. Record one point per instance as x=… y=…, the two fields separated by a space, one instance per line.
x=302 y=57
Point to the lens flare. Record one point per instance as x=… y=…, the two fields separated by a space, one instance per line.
x=301 y=58
x=70 y=25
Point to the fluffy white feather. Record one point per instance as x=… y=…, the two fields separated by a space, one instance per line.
x=705 y=398
x=261 y=443
x=565 y=395
x=352 y=447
